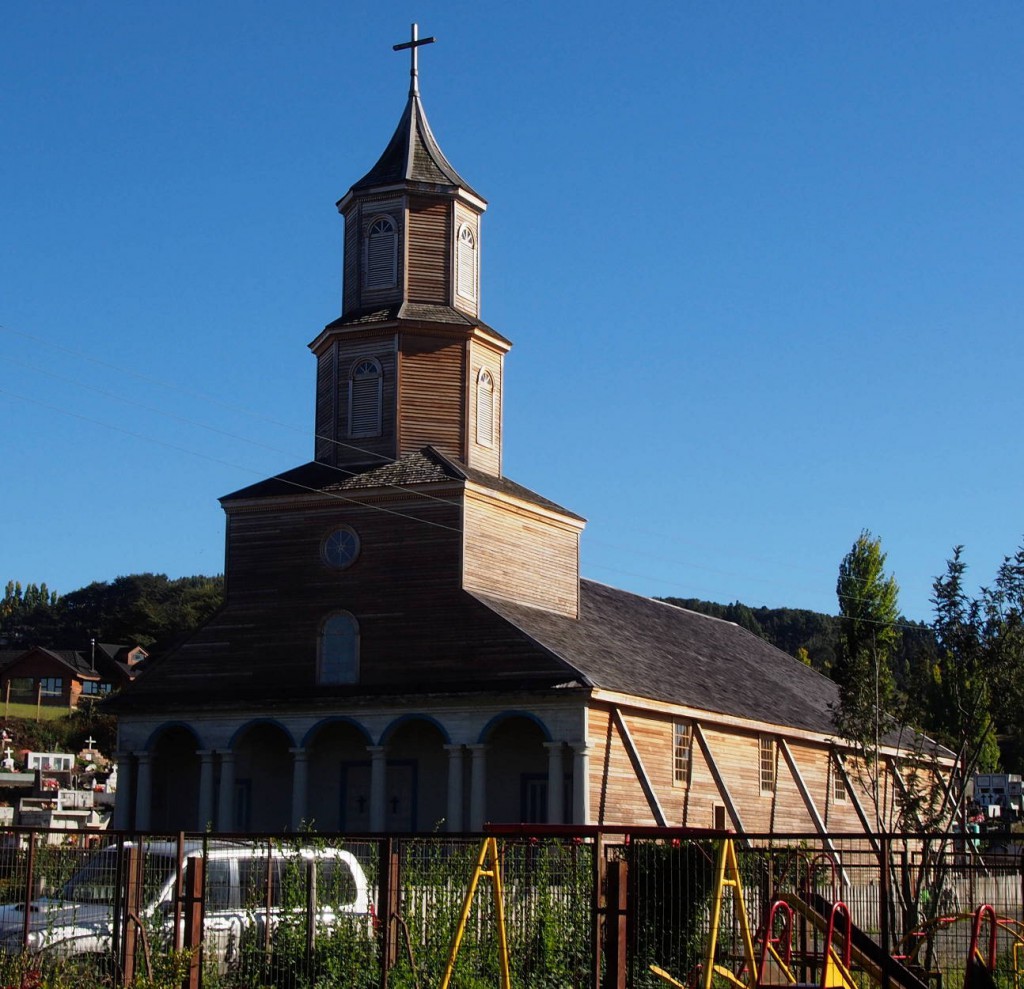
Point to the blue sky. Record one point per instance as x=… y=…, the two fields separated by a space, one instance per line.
x=761 y=263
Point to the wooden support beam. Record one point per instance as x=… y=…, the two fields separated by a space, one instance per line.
x=808 y=800
x=716 y=773
x=865 y=823
x=638 y=768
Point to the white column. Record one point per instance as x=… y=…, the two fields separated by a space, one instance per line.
x=226 y=797
x=581 y=783
x=123 y=797
x=300 y=777
x=478 y=788
x=556 y=783
x=454 y=814
x=378 y=785
x=205 y=814
x=143 y=792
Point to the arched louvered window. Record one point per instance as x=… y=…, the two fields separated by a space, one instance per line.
x=466 y=257
x=338 y=659
x=485 y=408
x=364 y=398
x=381 y=261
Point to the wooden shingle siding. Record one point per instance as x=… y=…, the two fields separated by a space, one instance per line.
x=488 y=458
x=429 y=251
x=512 y=552
x=432 y=409
x=326 y=393
x=465 y=215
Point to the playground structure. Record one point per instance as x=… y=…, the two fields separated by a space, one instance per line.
x=833 y=952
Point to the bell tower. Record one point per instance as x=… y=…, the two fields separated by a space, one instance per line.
x=409 y=363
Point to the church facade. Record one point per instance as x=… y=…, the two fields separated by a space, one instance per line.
x=406 y=643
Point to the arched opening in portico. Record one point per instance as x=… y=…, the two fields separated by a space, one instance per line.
x=517 y=771
x=416 y=792
x=263 y=778
x=175 y=780
x=339 y=777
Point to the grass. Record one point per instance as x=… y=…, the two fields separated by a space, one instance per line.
x=45 y=712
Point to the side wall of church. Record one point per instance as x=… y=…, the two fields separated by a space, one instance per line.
x=513 y=552
x=618 y=796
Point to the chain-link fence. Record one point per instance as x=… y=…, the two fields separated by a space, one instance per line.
x=582 y=908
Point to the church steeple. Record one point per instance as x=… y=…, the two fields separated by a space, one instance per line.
x=409 y=363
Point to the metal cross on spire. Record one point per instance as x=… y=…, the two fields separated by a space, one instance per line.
x=413 y=45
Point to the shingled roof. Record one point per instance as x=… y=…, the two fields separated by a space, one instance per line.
x=425 y=466
x=413 y=156
x=636 y=645
x=410 y=312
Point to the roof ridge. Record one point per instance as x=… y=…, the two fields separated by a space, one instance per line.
x=665 y=604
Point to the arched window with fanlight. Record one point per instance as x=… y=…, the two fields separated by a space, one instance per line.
x=338 y=655
x=466 y=256
x=365 y=393
x=485 y=408
x=380 y=267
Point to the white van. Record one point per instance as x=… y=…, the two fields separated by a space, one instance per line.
x=79 y=919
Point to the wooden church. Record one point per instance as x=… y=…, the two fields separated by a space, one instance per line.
x=406 y=643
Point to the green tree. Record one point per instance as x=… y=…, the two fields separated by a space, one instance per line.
x=868 y=638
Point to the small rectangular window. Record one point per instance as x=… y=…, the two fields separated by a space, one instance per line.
x=52 y=686
x=21 y=688
x=766 y=747
x=718 y=817
x=838 y=785
x=682 y=746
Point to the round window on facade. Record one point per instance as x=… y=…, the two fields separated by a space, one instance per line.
x=341 y=548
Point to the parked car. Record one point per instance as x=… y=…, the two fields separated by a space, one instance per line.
x=79 y=920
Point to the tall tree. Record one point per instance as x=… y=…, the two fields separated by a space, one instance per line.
x=868 y=639
x=963 y=704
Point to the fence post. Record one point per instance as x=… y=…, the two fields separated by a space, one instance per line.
x=132 y=906
x=179 y=891
x=596 y=909
x=616 y=906
x=30 y=868
x=310 y=911
x=192 y=909
x=387 y=906
x=884 y=904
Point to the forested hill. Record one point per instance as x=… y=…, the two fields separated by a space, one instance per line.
x=811 y=636
x=146 y=609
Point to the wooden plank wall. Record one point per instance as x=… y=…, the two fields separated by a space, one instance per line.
x=326 y=416
x=483 y=357
x=432 y=405
x=429 y=251
x=352 y=262
x=617 y=796
x=514 y=553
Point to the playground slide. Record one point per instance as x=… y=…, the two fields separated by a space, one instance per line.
x=865 y=953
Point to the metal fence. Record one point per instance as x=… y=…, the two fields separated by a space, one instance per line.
x=583 y=908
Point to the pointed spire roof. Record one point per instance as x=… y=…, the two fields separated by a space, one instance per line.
x=413 y=155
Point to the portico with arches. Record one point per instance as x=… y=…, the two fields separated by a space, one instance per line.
x=449 y=771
